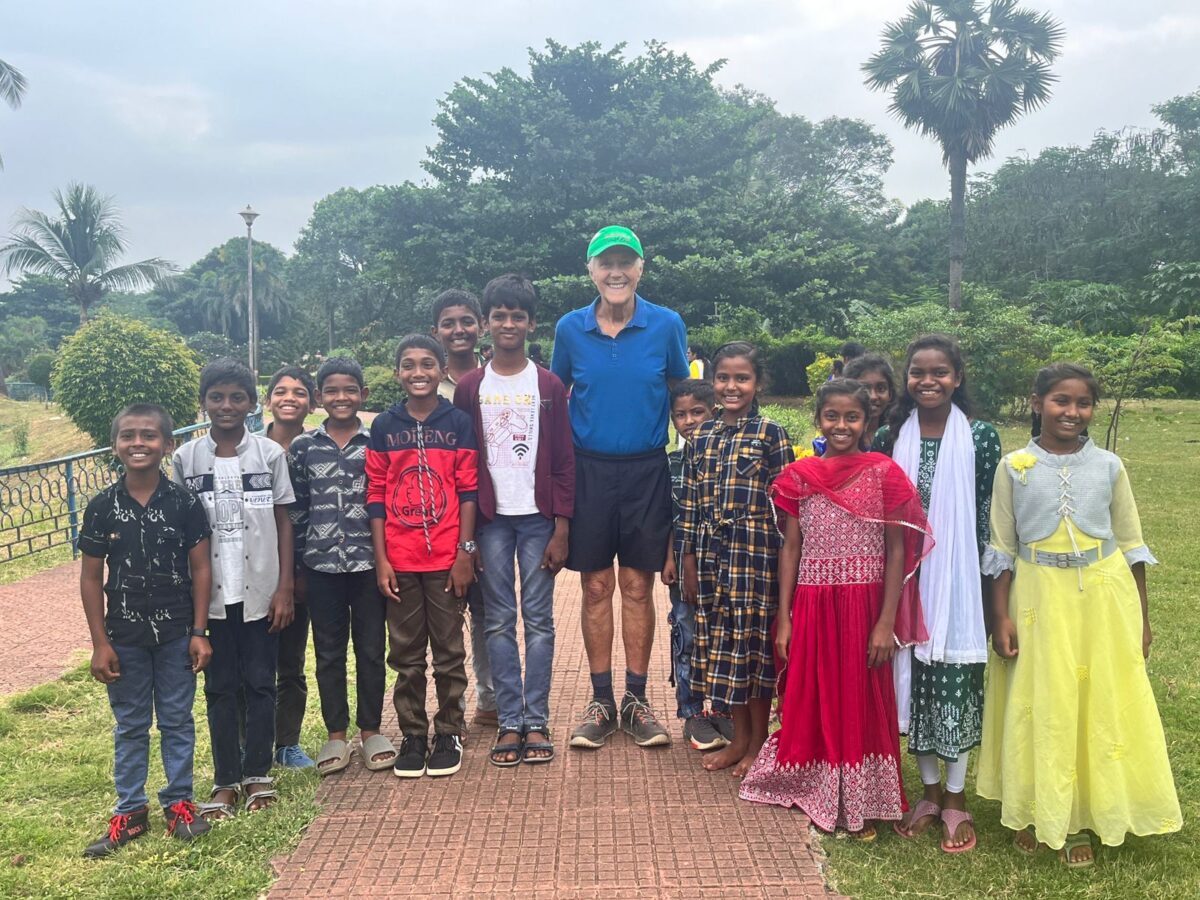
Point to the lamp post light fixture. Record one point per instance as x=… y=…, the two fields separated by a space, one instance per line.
x=248 y=216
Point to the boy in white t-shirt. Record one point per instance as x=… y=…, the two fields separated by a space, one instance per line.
x=526 y=500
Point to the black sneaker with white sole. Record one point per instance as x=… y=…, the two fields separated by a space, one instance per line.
x=446 y=756
x=702 y=734
x=410 y=760
x=599 y=721
x=639 y=721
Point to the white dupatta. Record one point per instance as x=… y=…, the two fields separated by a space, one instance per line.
x=951 y=596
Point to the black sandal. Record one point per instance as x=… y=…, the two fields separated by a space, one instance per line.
x=499 y=750
x=536 y=746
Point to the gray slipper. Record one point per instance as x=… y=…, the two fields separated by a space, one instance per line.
x=373 y=746
x=334 y=756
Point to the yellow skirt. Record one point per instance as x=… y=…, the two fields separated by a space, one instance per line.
x=1071 y=734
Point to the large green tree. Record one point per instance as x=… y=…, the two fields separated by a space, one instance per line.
x=79 y=247
x=12 y=88
x=959 y=72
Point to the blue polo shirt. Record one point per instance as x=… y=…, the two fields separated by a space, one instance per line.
x=619 y=399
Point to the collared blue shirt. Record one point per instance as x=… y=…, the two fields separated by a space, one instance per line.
x=619 y=398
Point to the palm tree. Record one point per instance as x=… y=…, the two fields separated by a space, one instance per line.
x=78 y=248
x=12 y=88
x=960 y=73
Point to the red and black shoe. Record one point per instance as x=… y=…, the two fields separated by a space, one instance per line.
x=121 y=830
x=184 y=822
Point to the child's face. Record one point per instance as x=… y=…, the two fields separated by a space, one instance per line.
x=931 y=379
x=842 y=421
x=736 y=383
x=227 y=405
x=289 y=401
x=342 y=397
x=509 y=328
x=880 y=390
x=140 y=443
x=419 y=373
x=687 y=413
x=458 y=329
x=1066 y=410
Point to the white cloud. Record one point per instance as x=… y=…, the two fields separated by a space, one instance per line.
x=1092 y=39
x=169 y=114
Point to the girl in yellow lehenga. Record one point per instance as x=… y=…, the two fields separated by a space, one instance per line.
x=1072 y=741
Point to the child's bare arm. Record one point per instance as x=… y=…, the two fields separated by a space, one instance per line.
x=882 y=642
x=789 y=569
x=462 y=573
x=1139 y=578
x=385 y=575
x=669 y=573
x=200 y=564
x=106 y=667
x=1004 y=631
x=281 y=611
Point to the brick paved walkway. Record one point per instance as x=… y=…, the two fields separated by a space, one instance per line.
x=43 y=627
x=618 y=822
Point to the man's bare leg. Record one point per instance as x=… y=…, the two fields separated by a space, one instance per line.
x=597 y=618
x=637 y=618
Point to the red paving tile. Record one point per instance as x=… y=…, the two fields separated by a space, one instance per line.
x=43 y=626
x=618 y=822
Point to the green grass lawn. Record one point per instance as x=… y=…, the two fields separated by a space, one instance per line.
x=49 y=432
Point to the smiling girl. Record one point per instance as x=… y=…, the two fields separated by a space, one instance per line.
x=729 y=546
x=1071 y=715
x=854 y=534
x=939 y=685
x=875 y=374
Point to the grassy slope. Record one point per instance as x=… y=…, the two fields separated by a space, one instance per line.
x=51 y=433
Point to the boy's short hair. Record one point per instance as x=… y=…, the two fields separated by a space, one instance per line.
x=165 y=423
x=227 y=370
x=339 y=365
x=424 y=342
x=455 y=297
x=852 y=350
x=510 y=291
x=699 y=388
x=293 y=372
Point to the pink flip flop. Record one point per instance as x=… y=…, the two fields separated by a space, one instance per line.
x=921 y=810
x=952 y=818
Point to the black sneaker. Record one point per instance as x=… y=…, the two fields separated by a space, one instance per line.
x=410 y=761
x=184 y=822
x=446 y=756
x=121 y=830
x=724 y=723
x=599 y=721
x=702 y=734
x=638 y=719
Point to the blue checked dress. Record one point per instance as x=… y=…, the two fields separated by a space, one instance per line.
x=727 y=520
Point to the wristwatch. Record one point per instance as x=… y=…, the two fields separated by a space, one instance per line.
x=197 y=632
x=468 y=546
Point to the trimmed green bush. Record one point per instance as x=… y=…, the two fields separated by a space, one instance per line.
x=384 y=391
x=38 y=368
x=818 y=371
x=113 y=361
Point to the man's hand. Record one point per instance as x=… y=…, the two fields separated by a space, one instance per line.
x=281 y=611
x=106 y=665
x=200 y=650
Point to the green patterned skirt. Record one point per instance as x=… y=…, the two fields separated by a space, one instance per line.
x=947 y=708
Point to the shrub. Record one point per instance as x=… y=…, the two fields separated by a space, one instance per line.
x=786 y=357
x=210 y=345
x=38 y=368
x=113 y=361
x=818 y=371
x=384 y=390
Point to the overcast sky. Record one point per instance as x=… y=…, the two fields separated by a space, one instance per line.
x=186 y=111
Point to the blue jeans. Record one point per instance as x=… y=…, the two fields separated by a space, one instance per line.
x=244 y=656
x=159 y=681
x=520 y=705
x=485 y=693
x=682 y=619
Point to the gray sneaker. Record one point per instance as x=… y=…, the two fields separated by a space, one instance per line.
x=599 y=721
x=638 y=719
x=701 y=732
x=724 y=724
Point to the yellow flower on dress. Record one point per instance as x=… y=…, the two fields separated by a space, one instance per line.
x=1021 y=463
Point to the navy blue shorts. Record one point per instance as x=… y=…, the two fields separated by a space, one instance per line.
x=622 y=510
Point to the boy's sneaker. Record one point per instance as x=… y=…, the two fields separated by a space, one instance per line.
x=701 y=733
x=638 y=719
x=446 y=756
x=599 y=721
x=410 y=761
x=184 y=822
x=293 y=757
x=724 y=723
x=121 y=830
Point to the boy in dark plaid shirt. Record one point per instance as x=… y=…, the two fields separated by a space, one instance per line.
x=152 y=639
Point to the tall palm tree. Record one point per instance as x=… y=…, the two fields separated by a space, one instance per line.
x=12 y=88
x=78 y=248
x=960 y=72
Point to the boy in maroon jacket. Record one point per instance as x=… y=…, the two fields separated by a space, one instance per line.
x=421 y=482
x=526 y=500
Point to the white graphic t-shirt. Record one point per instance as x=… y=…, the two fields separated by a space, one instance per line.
x=228 y=527
x=509 y=406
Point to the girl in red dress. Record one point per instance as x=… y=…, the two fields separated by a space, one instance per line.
x=854 y=534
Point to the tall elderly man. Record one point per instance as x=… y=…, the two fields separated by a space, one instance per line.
x=619 y=356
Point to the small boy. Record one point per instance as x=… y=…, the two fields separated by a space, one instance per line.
x=692 y=402
x=421 y=493
x=150 y=643
x=328 y=466
x=291 y=396
x=456 y=323
x=242 y=481
x=526 y=500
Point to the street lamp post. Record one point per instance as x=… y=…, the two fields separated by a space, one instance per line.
x=249 y=215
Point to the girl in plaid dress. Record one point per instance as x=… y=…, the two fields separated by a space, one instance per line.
x=730 y=542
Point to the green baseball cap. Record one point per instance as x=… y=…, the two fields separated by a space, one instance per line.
x=614 y=236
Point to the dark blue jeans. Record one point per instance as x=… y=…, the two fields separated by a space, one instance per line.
x=521 y=704
x=682 y=619
x=244 y=656
x=155 y=682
